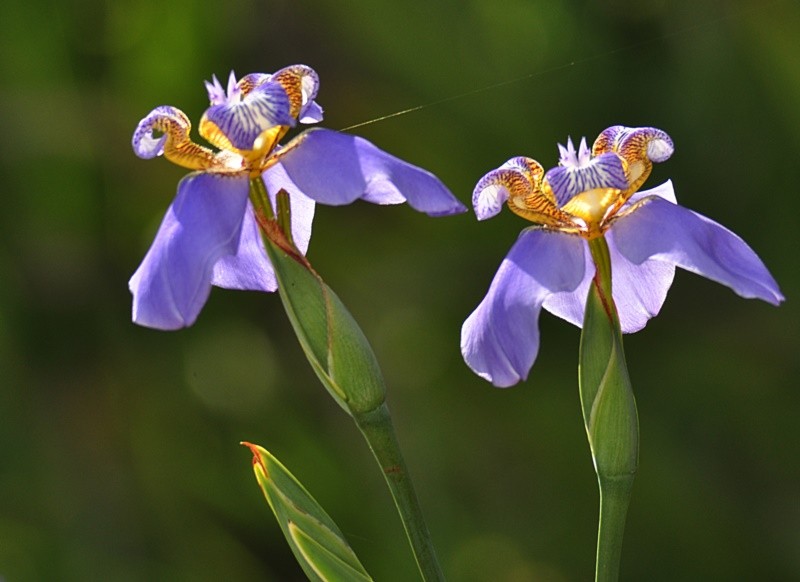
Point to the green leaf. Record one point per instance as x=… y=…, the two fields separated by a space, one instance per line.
x=315 y=540
x=332 y=340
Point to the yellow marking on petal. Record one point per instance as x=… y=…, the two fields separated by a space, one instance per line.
x=214 y=135
x=522 y=177
x=262 y=147
x=539 y=206
x=179 y=148
x=266 y=142
x=592 y=206
x=291 y=79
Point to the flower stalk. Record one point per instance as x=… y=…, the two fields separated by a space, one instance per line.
x=609 y=413
x=377 y=428
x=343 y=360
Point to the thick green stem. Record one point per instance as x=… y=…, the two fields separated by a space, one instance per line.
x=609 y=412
x=376 y=426
x=615 y=496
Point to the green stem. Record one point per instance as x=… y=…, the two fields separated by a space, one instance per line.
x=615 y=496
x=260 y=198
x=376 y=426
x=609 y=411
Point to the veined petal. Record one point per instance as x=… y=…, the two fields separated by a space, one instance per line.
x=500 y=339
x=238 y=123
x=660 y=230
x=518 y=178
x=336 y=168
x=203 y=224
x=602 y=172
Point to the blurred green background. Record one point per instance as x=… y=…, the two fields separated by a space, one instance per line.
x=118 y=445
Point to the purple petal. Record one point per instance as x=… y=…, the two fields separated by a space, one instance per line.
x=664 y=231
x=243 y=121
x=276 y=179
x=250 y=268
x=311 y=113
x=665 y=191
x=336 y=168
x=500 y=339
x=639 y=291
x=203 y=224
x=604 y=171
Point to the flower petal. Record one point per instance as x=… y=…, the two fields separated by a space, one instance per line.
x=249 y=268
x=603 y=171
x=203 y=224
x=174 y=143
x=301 y=83
x=500 y=339
x=276 y=179
x=518 y=178
x=166 y=120
x=241 y=122
x=639 y=291
x=665 y=191
x=664 y=231
x=336 y=168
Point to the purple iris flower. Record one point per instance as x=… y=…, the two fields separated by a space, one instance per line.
x=209 y=235
x=594 y=193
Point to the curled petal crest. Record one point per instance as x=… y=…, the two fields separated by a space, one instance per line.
x=174 y=143
x=640 y=147
x=301 y=84
x=518 y=178
x=500 y=339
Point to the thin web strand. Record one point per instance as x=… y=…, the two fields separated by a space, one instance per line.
x=686 y=30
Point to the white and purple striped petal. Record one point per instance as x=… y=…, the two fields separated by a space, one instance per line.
x=603 y=171
x=500 y=339
x=202 y=225
x=634 y=142
x=663 y=231
x=242 y=119
x=337 y=168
